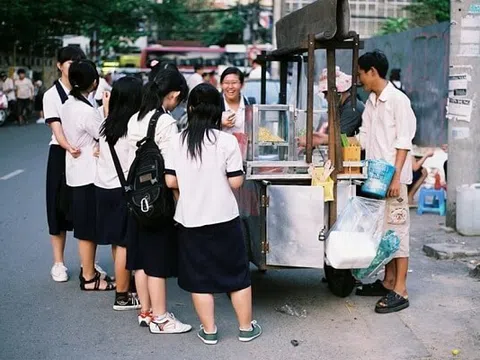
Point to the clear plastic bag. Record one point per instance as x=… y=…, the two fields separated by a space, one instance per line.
x=388 y=246
x=353 y=240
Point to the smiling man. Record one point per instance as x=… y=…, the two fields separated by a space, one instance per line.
x=388 y=128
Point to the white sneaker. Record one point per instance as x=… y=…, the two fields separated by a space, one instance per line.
x=59 y=272
x=145 y=318
x=169 y=325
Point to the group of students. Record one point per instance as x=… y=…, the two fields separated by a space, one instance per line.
x=202 y=244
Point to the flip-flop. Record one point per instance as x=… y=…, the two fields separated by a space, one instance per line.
x=391 y=302
x=373 y=289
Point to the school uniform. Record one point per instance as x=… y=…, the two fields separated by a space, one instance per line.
x=212 y=252
x=153 y=251
x=111 y=206
x=58 y=194
x=81 y=126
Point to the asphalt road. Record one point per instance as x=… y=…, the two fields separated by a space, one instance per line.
x=40 y=319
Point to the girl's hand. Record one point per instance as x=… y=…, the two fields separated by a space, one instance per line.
x=74 y=152
x=228 y=119
x=106 y=102
x=96 y=151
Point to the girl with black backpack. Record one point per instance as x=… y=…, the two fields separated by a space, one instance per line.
x=152 y=252
x=123 y=102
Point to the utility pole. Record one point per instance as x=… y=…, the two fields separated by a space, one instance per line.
x=464 y=100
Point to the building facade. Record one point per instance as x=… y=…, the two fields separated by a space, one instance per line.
x=367 y=16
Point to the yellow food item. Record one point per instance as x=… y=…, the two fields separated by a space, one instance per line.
x=264 y=135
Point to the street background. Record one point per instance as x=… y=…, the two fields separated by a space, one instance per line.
x=40 y=319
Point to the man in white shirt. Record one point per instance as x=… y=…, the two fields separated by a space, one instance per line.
x=196 y=78
x=388 y=128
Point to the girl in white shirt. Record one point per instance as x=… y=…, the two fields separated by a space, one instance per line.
x=153 y=253
x=57 y=191
x=123 y=102
x=81 y=124
x=205 y=163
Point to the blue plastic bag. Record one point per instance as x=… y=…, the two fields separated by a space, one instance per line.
x=379 y=176
x=388 y=246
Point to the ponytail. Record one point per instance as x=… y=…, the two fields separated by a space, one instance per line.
x=82 y=75
x=166 y=81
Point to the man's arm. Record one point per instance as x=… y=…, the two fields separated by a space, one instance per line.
x=405 y=124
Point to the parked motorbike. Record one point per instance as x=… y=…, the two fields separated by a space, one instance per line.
x=3 y=108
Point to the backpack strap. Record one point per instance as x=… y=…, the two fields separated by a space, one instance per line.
x=118 y=167
x=153 y=123
x=61 y=92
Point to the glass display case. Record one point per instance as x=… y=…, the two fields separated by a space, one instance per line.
x=273 y=150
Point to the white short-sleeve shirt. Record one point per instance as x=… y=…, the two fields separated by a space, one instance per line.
x=206 y=197
x=81 y=125
x=388 y=124
x=107 y=176
x=164 y=131
x=239 y=126
x=52 y=103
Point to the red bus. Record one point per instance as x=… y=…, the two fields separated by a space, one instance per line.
x=185 y=58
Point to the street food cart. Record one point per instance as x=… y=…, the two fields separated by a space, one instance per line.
x=285 y=219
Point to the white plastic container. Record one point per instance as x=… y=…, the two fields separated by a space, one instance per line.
x=468 y=210
x=350 y=250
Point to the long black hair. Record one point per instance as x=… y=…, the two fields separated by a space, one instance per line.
x=82 y=75
x=125 y=101
x=204 y=114
x=166 y=81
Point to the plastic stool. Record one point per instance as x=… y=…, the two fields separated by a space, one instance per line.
x=436 y=205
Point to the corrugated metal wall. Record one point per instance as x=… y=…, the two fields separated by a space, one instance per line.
x=422 y=55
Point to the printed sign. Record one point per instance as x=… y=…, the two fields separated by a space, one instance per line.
x=459 y=109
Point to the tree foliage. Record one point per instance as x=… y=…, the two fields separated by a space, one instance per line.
x=428 y=12
x=42 y=22
x=36 y=25
x=394 y=25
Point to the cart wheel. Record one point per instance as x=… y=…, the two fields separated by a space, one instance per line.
x=340 y=281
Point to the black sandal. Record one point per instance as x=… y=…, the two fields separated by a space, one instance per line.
x=391 y=302
x=97 y=280
x=102 y=277
x=373 y=289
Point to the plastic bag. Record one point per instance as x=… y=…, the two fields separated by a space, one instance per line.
x=353 y=240
x=388 y=246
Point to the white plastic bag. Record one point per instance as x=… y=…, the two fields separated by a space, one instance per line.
x=353 y=240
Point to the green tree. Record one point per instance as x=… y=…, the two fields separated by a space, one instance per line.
x=42 y=23
x=394 y=25
x=428 y=12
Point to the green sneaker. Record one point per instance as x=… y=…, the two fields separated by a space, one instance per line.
x=209 y=339
x=246 y=336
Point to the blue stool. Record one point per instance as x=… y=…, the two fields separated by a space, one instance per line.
x=431 y=201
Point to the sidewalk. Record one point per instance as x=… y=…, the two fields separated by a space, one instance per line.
x=445 y=311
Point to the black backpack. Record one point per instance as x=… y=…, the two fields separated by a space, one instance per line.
x=148 y=198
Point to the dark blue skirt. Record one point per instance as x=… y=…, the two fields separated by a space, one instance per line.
x=111 y=216
x=153 y=251
x=213 y=258
x=58 y=193
x=84 y=212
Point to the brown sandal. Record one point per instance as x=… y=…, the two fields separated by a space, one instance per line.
x=96 y=280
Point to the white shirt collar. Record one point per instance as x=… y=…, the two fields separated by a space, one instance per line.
x=240 y=107
x=384 y=96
